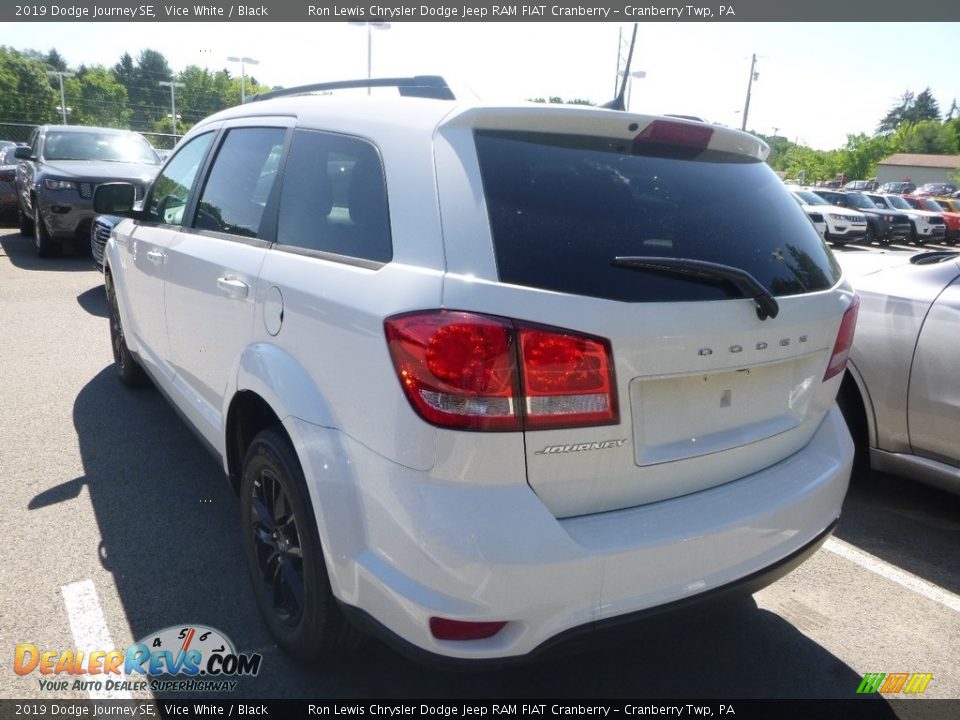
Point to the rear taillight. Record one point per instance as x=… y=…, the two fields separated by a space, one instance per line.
x=841 y=349
x=477 y=372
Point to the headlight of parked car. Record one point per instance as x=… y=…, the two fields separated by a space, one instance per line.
x=51 y=184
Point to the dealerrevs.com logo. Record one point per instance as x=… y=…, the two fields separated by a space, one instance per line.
x=193 y=658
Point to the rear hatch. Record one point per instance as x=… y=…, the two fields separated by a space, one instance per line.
x=704 y=391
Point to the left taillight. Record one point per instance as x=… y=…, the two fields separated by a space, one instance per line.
x=478 y=372
x=841 y=348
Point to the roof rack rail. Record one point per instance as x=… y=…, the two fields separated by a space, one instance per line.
x=423 y=86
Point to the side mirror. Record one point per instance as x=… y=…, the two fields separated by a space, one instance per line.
x=114 y=198
x=23 y=153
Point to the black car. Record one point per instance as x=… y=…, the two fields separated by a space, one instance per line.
x=883 y=225
x=60 y=170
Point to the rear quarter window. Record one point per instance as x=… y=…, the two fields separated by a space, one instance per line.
x=562 y=207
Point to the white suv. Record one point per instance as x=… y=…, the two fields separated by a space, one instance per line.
x=486 y=376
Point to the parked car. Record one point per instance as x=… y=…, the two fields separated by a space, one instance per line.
x=8 y=182
x=952 y=219
x=933 y=189
x=861 y=185
x=59 y=172
x=899 y=396
x=925 y=225
x=100 y=231
x=883 y=225
x=949 y=204
x=816 y=217
x=486 y=376
x=843 y=225
x=897 y=188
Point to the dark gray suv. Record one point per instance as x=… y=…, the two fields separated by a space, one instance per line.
x=62 y=166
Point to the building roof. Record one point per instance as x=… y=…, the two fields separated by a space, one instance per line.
x=951 y=162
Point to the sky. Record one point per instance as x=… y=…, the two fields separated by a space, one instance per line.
x=817 y=83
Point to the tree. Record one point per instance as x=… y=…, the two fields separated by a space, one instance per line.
x=925 y=107
x=25 y=92
x=927 y=137
x=55 y=60
x=896 y=115
x=97 y=98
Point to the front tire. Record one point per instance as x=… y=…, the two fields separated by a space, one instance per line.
x=46 y=245
x=25 y=223
x=128 y=369
x=284 y=555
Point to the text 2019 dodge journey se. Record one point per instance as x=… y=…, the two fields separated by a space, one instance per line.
x=484 y=376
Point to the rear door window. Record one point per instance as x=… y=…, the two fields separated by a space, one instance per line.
x=240 y=181
x=334 y=198
x=562 y=207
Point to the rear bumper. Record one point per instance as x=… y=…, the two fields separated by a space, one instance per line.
x=402 y=547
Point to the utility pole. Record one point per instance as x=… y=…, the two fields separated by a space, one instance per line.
x=173 y=101
x=753 y=76
x=244 y=61
x=63 y=101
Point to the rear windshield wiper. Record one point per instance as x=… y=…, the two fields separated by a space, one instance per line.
x=701 y=269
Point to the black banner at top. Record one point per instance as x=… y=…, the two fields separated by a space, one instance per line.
x=472 y=11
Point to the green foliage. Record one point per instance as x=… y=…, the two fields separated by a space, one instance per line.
x=25 y=92
x=928 y=137
x=96 y=98
x=910 y=109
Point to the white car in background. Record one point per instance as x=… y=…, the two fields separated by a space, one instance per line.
x=843 y=224
x=815 y=214
x=925 y=224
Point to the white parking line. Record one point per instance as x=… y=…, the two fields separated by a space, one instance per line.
x=895 y=574
x=89 y=629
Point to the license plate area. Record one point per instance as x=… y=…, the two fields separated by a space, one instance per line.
x=683 y=416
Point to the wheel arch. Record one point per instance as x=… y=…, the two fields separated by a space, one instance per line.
x=854 y=390
x=271 y=386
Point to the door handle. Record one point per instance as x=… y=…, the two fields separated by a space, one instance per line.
x=231 y=287
x=156 y=257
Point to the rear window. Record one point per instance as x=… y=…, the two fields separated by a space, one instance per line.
x=562 y=207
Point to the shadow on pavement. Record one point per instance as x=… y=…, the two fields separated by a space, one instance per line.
x=23 y=254
x=168 y=523
x=94 y=301
x=910 y=525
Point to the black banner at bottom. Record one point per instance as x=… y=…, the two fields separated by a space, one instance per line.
x=866 y=708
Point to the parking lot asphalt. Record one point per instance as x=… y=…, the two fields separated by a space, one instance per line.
x=117 y=523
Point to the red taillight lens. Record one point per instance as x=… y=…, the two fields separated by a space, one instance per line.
x=444 y=629
x=461 y=370
x=841 y=349
x=457 y=369
x=567 y=379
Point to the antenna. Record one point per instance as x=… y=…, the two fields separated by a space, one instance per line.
x=618 y=102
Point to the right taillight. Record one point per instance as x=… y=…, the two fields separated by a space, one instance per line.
x=841 y=349
x=478 y=372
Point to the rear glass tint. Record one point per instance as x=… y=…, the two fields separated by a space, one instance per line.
x=562 y=207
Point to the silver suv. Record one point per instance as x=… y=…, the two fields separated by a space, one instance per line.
x=485 y=376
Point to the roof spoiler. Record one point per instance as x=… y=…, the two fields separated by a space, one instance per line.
x=618 y=102
x=423 y=86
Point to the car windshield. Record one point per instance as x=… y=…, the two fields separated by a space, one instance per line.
x=809 y=198
x=931 y=205
x=7 y=155
x=861 y=201
x=898 y=202
x=109 y=147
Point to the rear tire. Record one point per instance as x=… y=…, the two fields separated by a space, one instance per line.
x=284 y=555
x=870 y=236
x=46 y=245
